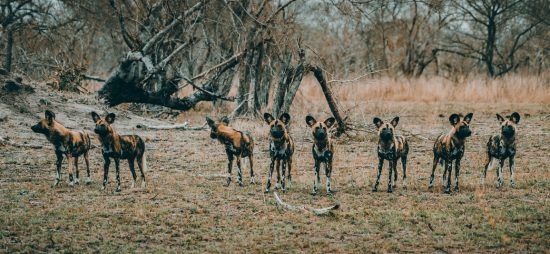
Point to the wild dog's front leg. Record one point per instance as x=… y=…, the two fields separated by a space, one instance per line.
x=448 y=168
x=432 y=176
x=87 y=160
x=512 y=165
x=328 y=173
x=278 y=169
x=380 y=165
x=239 y=171
x=457 y=173
x=117 y=172
x=499 y=172
x=58 y=163
x=317 y=177
x=106 y=164
x=390 y=178
x=270 y=174
x=229 y=167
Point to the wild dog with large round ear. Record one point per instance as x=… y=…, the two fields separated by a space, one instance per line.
x=129 y=147
x=503 y=146
x=281 y=149
x=450 y=147
x=237 y=144
x=391 y=147
x=323 y=148
x=71 y=144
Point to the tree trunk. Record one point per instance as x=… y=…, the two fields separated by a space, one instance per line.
x=489 y=46
x=294 y=84
x=8 y=50
x=284 y=81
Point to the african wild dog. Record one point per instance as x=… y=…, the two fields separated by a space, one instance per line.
x=237 y=145
x=323 y=148
x=130 y=147
x=502 y=147
x=72 y=144
x=391 y=148
x=281 y=149
x=451 y=147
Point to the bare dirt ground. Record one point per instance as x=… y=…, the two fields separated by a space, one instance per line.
x=185 y=207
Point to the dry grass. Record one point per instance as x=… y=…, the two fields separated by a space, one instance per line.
x=186 y=208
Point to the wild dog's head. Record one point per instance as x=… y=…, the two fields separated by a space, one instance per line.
x=461 y=126
x=103 y=126
x=508 y=124
x=320 y=130
x=385 y=130
x=215 y=126
x=45 y=125
x=277 y=127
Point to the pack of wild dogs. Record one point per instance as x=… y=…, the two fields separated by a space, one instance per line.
x=448 y=149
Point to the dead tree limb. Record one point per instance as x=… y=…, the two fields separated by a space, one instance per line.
x=316 y=211
x=318 y=73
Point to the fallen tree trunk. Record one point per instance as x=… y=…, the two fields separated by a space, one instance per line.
x=318 y=73
x=316 y=211
x=185 y=126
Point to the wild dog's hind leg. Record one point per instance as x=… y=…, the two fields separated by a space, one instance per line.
x=488 y=163
x=457 y=173
x=448 y=168
x=404 y=165
x=229 y=167
x=87 y=160
x=132 y=170
x=432 y=176
x=390 y=169
x=77 y=174
x=499 y=173
x=251 y=162
x=70 y=164
x=58 y=163
x=270 y=174
x=278 y=169
x=239 y=171
x=328 y=172
x=283 y=175
x=142 y=165
x=289 y=164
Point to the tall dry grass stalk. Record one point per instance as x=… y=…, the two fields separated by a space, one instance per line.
x=509 y=89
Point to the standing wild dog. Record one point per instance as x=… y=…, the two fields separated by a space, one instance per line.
x=237 y=145
x=281 y=149
x=502 y=147
x=450 y=147
x=391 y=148
x=323 y=148
x=72 y=144
x=130 y=147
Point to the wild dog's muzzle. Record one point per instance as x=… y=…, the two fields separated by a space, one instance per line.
x=386 y=135
x=320 y=134
x=464 y=132
x=508 y=131
x=100 y=130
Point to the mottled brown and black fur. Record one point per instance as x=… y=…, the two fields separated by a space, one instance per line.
x=237 y=144
x=323 y=148
x=129 y=147
x=281 y=149
x=503 y=146
x=391 y=147
x=72 y=144
x=450 y=147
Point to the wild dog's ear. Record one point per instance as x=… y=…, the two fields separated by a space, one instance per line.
x=514 y=117
x=110 y=118
x=468 y=118
x=49 y=115
x=500 y=118
x=378 y=122
x=211 y=123
x=268 y=118
x=285 y=118
x=330 y=121
x=225 y=120
x=310 y=120
x=395 y=121
x=95 y=117
x=454 y=119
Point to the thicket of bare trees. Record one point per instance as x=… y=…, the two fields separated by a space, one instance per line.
x=148 y=50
